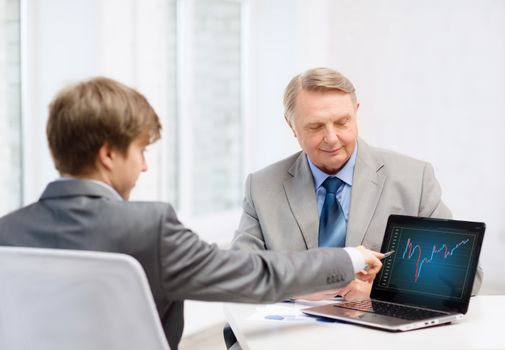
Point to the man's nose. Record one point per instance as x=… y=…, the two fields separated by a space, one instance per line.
x=331 y=135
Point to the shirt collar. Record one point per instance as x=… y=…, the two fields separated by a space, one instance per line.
x=345 y=174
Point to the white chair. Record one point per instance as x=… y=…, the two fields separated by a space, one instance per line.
x=74 y=300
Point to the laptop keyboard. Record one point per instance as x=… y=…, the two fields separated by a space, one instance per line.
x=399 y=311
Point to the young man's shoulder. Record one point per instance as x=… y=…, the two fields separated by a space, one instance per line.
x=148 y=209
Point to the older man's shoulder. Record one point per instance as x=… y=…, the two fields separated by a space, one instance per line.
x=280 y=168
x=390 y=158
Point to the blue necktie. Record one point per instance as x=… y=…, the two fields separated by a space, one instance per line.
x=332 y=225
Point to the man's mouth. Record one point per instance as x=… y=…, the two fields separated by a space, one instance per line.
x=332 y=151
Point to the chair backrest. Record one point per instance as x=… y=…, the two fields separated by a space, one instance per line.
x=60 y=299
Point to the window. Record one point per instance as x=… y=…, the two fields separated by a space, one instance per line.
x=210 y=122
x=185 y=56
x=10 y=106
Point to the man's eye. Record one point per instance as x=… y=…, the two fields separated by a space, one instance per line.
x=343 y=122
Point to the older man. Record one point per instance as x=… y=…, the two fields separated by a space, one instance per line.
x=338 y=191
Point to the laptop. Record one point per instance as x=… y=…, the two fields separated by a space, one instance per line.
x=426 y=281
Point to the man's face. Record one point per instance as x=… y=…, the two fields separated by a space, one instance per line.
x=127 y=168
x=325 y=126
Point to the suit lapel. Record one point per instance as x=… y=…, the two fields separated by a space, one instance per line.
x=366 y=190
x=302 y=200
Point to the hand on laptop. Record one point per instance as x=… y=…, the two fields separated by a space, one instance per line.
x=359 y=288
x=327 y=294
x=372 y=262
x=356 y=290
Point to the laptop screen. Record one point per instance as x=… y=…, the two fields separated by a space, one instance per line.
x=434 y=263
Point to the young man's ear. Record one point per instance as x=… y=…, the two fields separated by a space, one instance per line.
x=105 y=157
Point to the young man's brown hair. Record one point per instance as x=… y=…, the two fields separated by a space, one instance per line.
x=87 y=115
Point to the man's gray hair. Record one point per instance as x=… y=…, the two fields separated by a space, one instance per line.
x=315 y=79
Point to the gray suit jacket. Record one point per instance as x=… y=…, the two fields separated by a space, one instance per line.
x=280 y=209
x=80 y=214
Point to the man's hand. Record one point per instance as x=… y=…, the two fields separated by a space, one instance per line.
x=372 y=262
x=356 y=290
x=359 y=288
x=327 y=294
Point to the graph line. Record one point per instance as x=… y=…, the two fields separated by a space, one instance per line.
x=410 y=250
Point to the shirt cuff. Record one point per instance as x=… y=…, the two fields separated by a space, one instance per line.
x=358 y=261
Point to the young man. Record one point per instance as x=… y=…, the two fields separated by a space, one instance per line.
x=98 y=131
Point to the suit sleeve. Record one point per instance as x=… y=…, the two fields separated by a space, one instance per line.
x=194 y=269
x=249 y=235
x=432 y=206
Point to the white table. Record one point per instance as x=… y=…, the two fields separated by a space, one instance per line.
x=483 y=327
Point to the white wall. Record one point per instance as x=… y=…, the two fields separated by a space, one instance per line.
x=272 y=61
x=430 y=76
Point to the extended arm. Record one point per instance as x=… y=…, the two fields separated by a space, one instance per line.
x=194 y=269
